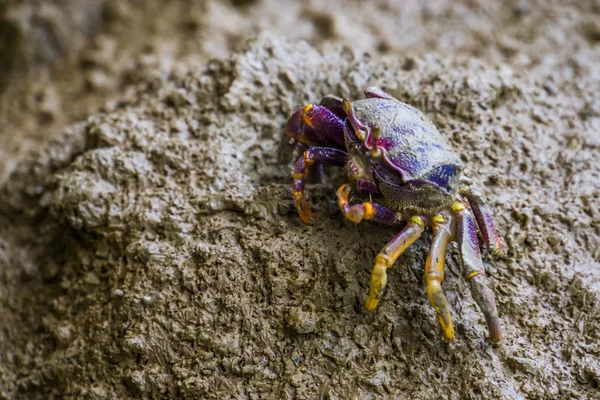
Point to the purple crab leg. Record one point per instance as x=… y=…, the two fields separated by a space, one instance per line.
x=312 y=156
x=334 y=104
x=315 y=174
x=484 y=219
x=473 y=270
x=367 y=186
x=388 y=255
x=365 y=211
x=434 y=273
x=374 y=92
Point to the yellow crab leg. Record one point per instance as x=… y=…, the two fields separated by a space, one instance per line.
x=434 y=273
x=388 y=255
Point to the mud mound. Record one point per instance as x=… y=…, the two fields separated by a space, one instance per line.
x=172 y=262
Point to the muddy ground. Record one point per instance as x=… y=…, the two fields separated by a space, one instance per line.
x=149 y=247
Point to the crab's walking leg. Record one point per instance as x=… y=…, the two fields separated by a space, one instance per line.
x=334 y=104
x=312 y=156
x=365 y=211
x=388 y=255
x=484 y=219
x=434 y=273
x=315 y=174
x=375 y=92
x=473 y=270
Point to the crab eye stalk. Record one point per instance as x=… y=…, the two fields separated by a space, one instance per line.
x=347 y=106
x=307 y=116
x=375 y=149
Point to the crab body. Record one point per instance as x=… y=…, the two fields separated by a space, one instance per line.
x=394 y=156
x=415 y=168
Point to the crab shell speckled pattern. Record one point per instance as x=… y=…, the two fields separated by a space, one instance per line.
x=413 y=144
x=417 y=159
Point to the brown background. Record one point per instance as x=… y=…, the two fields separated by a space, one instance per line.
x=148 y=241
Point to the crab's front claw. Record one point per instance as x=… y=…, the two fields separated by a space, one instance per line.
x=355 y=213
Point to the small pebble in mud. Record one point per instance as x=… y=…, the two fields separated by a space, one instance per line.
x=96 y=392
x=135 y=344
x=378 y=379
x=62 y=334
x=361 y=335
x=302 y=320
x=179 y=125
x=92 y=279
x=102 y=250
x=136 y=382
x=152 y=298
x=503 y=197
x=521 y=8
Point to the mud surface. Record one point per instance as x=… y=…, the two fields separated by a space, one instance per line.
x=148 y=242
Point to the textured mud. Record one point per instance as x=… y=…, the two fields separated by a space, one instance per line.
x=152 y=250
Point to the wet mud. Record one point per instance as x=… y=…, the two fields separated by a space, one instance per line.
x=149 y=246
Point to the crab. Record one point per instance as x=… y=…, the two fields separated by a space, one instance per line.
x=401 y=170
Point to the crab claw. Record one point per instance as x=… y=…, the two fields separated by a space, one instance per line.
x=355 y=213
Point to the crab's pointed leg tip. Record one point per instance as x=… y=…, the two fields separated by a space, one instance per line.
x=495 y=334
x=447 y=327
x=309 y=221
x=498 y=248
x=371 y=303
x=304 y=212
x=306 y=216
x=448 y=336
